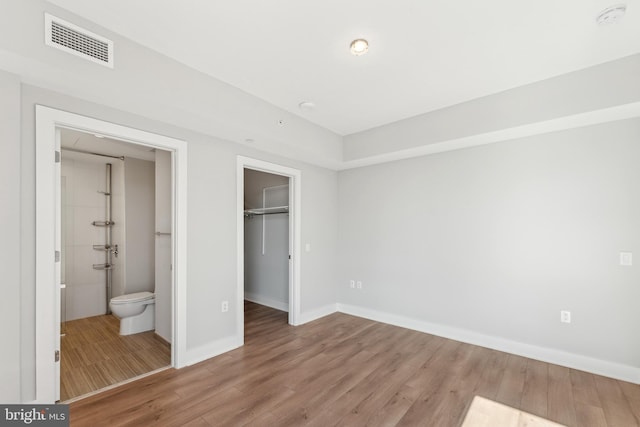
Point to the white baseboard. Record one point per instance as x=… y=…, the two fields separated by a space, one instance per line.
x=317 y=313
x=262 y=300
x=549 y=355
x=216 y=348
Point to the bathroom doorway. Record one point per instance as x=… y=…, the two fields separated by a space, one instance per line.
x=50 y=124
x=115 y=230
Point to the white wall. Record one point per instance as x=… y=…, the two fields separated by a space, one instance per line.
x=266 y=273
x=84 y=175
x=140 y=218
x=490 y=243
x=10 y=250
x=163 y=244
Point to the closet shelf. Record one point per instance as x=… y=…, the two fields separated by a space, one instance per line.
x=266 y=211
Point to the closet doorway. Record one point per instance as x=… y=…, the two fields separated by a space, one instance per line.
x=268 y=237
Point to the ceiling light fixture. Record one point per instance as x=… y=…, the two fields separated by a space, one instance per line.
x=611 y=15
x=359 y=47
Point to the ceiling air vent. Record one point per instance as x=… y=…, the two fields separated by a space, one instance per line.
x=66 y=36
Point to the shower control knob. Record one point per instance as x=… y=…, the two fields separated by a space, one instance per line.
x=115 y=250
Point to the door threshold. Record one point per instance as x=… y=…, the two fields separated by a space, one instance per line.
x=112 y=386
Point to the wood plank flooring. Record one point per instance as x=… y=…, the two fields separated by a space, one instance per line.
x=347 y=371
x=94 y=355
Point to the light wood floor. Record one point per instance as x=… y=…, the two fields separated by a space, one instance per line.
x=343 y=370
x=94 y=355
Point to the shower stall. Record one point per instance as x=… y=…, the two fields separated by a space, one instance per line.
x=92 y=203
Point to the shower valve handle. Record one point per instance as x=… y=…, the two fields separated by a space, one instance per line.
x=114 y=251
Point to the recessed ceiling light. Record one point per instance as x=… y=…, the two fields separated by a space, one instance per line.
x=307 y=106
x=359 y=47
x=611 y=15
x=97 y=135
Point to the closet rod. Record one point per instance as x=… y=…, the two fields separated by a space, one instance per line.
x=264 y=213
x=91 y=152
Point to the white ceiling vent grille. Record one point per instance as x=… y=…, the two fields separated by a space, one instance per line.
x=78 y=41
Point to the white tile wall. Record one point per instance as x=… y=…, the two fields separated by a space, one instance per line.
x=85 y=293
x=87 y=300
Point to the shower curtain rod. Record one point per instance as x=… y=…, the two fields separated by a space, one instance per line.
x=91 y=152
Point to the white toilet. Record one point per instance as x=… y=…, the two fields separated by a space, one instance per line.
x=136 y=312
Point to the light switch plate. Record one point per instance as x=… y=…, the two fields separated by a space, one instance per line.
x=626 y=258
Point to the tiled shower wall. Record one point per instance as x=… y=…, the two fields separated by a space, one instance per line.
x=83 y=176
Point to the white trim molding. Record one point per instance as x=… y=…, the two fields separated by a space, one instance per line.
x=48 y=120
x=549 y=355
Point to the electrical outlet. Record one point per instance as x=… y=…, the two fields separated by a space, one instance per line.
x=352 y=284
x=225 y=306
x=359 y=284
x=565 y=316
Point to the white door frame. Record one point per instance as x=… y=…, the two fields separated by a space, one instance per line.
x=48 y=121
x=295 y=191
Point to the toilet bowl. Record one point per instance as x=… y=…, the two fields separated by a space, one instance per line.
x=135 y=311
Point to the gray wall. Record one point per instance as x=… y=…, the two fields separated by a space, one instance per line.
x=255 y=181
x=569 y=94
x=266 y=275
x=139 y=223
x=498 y=239
x=211 y=231
x=11 y=243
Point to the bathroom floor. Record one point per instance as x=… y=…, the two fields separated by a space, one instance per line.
x=94 y=355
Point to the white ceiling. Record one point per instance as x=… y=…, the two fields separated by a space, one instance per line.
x=424 y=54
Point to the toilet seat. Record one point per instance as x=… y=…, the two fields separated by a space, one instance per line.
x=135 y=297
